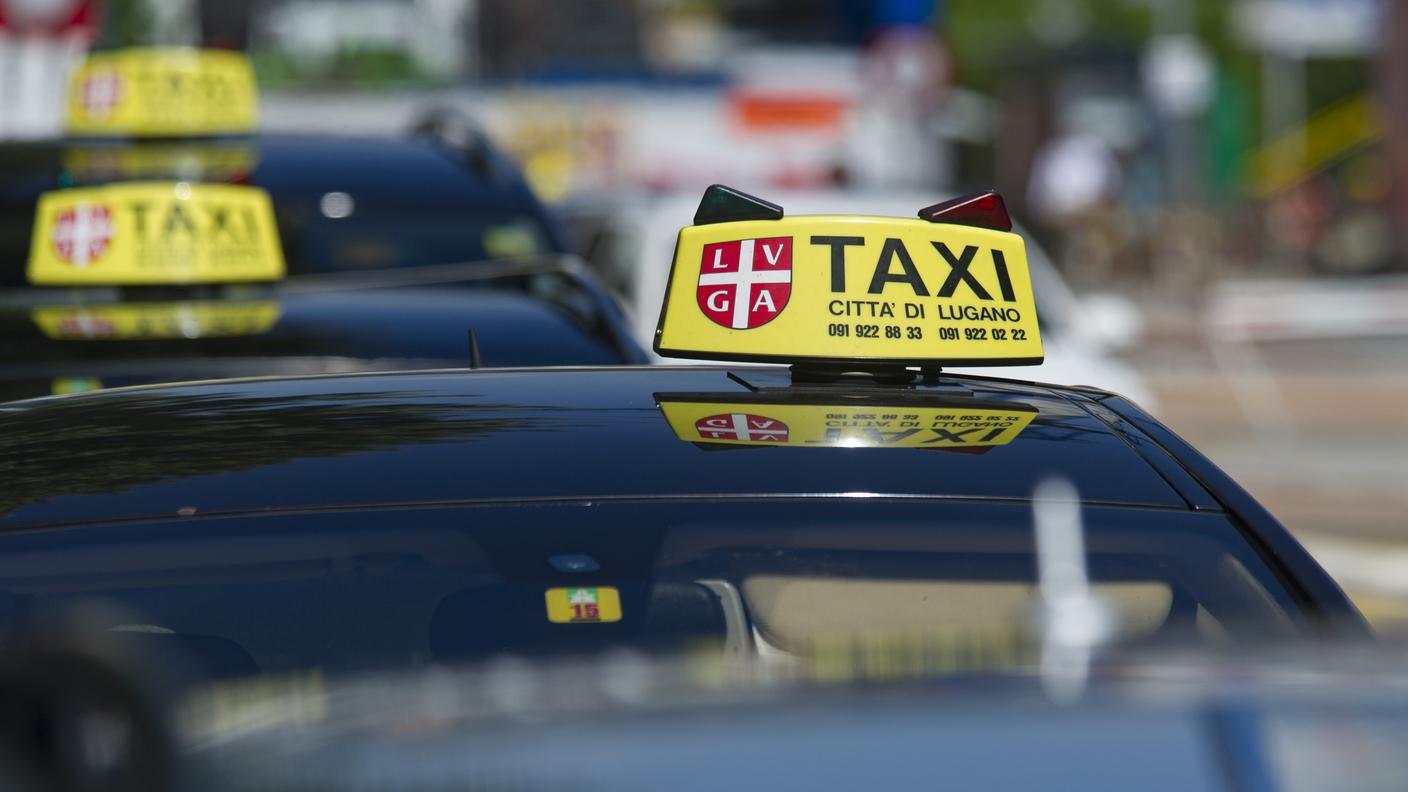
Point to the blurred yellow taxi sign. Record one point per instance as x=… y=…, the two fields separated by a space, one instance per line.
x=849 y=288
x=146 y=233
x=163 y=92
x=130 y=321
x=761 y=423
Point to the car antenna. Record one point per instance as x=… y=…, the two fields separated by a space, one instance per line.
x=475 y=360
x=1072 y=620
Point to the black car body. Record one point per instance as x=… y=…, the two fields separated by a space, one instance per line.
x=392 y=520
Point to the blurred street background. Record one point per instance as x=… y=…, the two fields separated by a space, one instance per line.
x=1224 y=183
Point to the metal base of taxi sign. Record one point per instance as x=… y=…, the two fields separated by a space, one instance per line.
x=134 y=321
x=827 y=289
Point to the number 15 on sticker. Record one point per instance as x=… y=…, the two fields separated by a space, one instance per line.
x=584 y=605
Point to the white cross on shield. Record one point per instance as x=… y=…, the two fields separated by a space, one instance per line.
x=100 y=93
x=82 y=233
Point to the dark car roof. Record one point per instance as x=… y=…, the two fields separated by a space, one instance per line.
x=395 y=183
x=436 y=437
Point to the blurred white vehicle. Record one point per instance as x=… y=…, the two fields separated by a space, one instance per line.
x=633 y=248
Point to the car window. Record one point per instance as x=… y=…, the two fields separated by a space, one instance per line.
x=375 y=238
x=387 y=589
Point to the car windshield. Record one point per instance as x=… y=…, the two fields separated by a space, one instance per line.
x=787 y=579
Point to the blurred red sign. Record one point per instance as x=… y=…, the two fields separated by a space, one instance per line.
x=49 y=17
x=775 y=112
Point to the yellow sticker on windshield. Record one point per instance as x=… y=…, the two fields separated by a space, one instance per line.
x=163 y=92
x=584 y=605
x=128 y=321
x=62 y=385
x=850 y=288
x=144 y=233
x=846 y=425
x=507 y=241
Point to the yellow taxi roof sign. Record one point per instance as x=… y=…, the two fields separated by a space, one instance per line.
x=154 y=233
x=750 y=284
x=163 y=92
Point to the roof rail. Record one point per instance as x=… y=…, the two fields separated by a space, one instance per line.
x=596 y=308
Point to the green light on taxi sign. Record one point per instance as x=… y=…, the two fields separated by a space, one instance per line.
x=940 y=290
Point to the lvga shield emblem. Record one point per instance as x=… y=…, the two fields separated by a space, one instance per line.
x=82 y=234
x=745 y=283
x=100 y=93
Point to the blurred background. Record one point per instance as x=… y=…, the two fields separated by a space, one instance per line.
x=1223 y=184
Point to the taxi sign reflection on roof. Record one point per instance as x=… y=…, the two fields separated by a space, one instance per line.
x=950 y=288
x=100 y=162
x=150 y=233
x=162 y=92
x=130 y=321
x=972 y=426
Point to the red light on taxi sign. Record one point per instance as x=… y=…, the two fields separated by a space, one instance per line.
x=983 y=210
